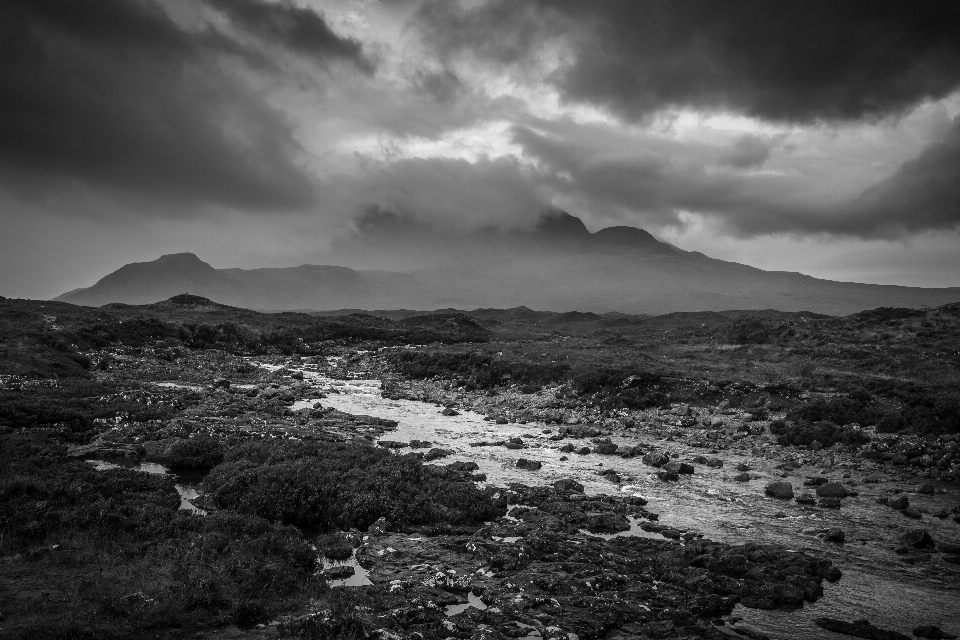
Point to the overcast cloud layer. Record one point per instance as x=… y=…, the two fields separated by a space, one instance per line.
x=269 y=132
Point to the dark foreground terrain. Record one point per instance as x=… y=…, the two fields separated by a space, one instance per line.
x=183 y=469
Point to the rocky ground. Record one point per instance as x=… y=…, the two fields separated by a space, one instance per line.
x=672 y=520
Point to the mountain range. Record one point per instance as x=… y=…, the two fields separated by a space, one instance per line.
x=559 y=265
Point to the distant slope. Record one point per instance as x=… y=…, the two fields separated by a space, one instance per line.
x=558 y=266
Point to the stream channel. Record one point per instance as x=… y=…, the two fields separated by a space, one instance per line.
x=876 y=585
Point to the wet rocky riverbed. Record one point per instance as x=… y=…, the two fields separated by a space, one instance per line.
x=894 y=586
x=602 y=503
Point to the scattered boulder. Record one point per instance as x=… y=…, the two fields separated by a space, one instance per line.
x=926 y=489
x=668 y=475
x=806 y=498
x=912 y=512
x=436 y=453
x=780 y=489
x=715 y=463
x=742 y=477
x=529 y=465
x=450 y=411
x=679 y=467
x=655 y=459
x=900 y=502
x=568 y=484
x=918 y=539
x=829 y=503
x=832 y=490
x=605 y=448
x=834 y=535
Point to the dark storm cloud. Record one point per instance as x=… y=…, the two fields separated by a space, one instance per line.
x=786 y=61
x=656 y=184
x=296 y=28
x=923 y=194
x=115 y=94
x=748 y=152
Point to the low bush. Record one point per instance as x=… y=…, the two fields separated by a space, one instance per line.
x=343 y=486
x=825 y=432
x=119 y=557
x=199 y=452
x=841 y=410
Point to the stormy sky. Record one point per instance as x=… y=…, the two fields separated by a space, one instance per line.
x=820 y=137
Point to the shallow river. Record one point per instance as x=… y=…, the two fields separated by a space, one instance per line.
x=876 y=584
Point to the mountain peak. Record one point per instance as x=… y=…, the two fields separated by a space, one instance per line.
x=180 y=259
x=556 y=223
x=622 y=238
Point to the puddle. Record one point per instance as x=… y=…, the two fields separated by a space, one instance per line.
x=360 y=577
x=178 y=385
x=186 y=485
x=472 y=601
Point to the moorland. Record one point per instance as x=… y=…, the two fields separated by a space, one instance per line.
x=311 y=521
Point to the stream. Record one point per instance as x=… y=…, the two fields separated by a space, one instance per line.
x=876 y=585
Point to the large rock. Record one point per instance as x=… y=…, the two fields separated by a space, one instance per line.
x=918 y=539
x=679 y=467
x=835 y=535
x=529 y=465
x=780 y=489
x=605 y=448
x=900 y=502
x=832 y=490
x=655 y=459
x=568 y=484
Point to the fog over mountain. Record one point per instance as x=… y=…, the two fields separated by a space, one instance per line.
x=556 y=265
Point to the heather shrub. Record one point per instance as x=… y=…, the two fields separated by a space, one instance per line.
x=342 y=486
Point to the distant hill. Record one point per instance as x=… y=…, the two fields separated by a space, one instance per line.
x=557 y=266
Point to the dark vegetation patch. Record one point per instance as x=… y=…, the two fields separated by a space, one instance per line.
x=823 y=431
x=609 y=386
x=343 y=486
x=73 y=405
x=117 y=556
x=199 y=452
